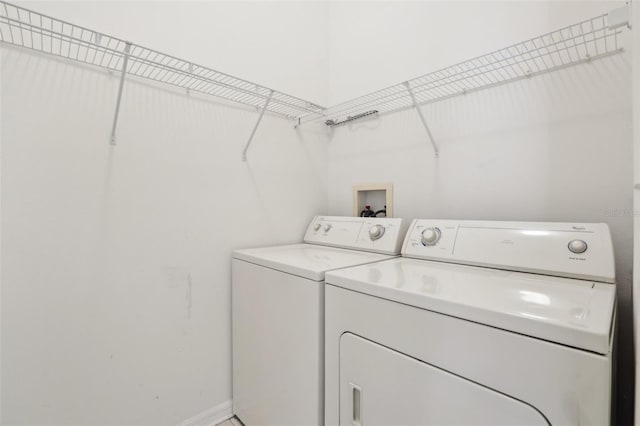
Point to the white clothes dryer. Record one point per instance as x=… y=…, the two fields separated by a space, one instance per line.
x=480 y=323
x=278 y=315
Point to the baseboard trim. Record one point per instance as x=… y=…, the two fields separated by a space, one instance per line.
x=211 y=416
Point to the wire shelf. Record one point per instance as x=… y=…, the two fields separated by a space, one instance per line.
x=574 y=44
x=571 y=45
x=26 y=28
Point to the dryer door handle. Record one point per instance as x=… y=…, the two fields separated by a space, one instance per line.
x=356 y=404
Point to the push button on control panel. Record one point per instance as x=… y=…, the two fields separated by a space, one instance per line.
x=577 y=246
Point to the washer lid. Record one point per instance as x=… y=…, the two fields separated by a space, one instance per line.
x=307 y=260
x=572 y=312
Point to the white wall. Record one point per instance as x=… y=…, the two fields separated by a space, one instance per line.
x=115 y=260
x=554 y=148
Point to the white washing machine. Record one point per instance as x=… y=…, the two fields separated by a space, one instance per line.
x=480 y=323
x=278 y=315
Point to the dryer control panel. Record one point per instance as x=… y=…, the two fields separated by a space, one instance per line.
x=375 y=234
x=575 y=250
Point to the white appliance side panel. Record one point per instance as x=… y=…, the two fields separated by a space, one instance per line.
x=379 y=387
x=277 y=322
x=569 y=386
x=375 y=234
x=539 y=247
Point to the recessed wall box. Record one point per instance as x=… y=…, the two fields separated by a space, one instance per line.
x=378 y=196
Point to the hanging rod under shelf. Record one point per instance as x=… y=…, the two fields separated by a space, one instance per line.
x=578 y=43
x=349 y=119
x=29 y=29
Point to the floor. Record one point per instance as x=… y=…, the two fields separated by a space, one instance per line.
x=233 y=421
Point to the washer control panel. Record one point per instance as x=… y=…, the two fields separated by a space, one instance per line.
x=563 y=249
x=376 y=234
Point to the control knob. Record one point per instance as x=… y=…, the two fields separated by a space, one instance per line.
x=577 y=246
x=375 y=232
x=316 y=226
x=327 y=227
x=430 y=236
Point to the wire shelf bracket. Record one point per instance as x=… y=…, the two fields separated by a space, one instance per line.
x=421 y=115
x=255 y=128
x=123 y=73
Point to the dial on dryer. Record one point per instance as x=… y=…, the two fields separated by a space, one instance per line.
x=430 y=236
x=577 y=246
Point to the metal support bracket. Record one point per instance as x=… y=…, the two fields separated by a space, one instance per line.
x=619 y=17
x=125 y=61
x=424 y=122
x=262 y=111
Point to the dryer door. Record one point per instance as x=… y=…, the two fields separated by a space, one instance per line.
x=379 y=386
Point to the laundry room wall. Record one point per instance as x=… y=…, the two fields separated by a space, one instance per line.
x=116 y=260
x=556 y=147
x=636 y=193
